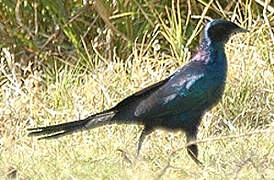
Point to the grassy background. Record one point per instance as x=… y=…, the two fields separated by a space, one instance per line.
x=65 y=60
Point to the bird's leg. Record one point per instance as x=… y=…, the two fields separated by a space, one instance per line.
x=192 y=149
x=146 y=131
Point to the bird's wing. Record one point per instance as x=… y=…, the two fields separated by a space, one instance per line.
x=186 y=90
x=140 y=95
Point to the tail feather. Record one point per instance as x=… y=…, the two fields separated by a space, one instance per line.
x=55 y=131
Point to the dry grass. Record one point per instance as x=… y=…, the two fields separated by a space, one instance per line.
x=108 y=152
x=235 y=138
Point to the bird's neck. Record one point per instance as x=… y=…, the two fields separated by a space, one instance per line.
x=209 y=44
x=210 y=51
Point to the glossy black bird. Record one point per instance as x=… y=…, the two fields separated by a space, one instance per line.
x=176 y=103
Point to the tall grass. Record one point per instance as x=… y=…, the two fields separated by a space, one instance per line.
x=63 y=60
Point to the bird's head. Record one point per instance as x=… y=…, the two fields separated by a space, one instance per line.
x=219 y=31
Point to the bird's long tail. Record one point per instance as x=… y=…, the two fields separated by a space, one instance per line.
x=59 y=130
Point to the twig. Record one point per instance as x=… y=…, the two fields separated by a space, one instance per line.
x=219 y=139
x=269 y=7
x=104 y=14
x=144 y=13
x=228 y=137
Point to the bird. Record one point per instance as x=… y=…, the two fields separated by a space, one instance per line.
x=176 y=103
